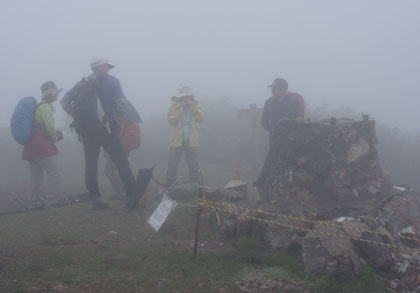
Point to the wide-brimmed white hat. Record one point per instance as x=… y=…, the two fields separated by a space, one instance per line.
x=183 y=91
x=98 y=61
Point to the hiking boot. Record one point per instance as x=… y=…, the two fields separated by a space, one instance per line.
x=131 y=204
x=99 y=204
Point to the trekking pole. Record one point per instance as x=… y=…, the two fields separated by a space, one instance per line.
x=197 y=223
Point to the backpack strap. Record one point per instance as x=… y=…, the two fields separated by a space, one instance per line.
x=99 y=86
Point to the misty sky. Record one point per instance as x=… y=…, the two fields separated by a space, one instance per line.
x=362 y=54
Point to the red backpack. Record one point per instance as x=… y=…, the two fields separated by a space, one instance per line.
x=130 y=135
x=301 y=103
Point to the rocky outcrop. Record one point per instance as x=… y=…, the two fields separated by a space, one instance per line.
x=330 y=168
x=325 y=184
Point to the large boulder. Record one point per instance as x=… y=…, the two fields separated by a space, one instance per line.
x=401 y=211
x=333 y=256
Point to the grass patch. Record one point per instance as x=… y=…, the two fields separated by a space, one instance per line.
x=367 y=281
x=72 y=245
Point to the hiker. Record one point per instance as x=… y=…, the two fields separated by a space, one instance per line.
x=282 y=104
x=41 y=150
x=183 y=116
x=131 y=139
x=99 y=125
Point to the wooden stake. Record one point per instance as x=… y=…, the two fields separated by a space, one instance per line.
x=197 y=223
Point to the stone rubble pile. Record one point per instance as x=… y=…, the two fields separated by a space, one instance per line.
x=327 y=173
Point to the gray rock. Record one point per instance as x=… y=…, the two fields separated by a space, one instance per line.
x=278 y=237
x=233 y=195
x=357 y=150
x=333 y=256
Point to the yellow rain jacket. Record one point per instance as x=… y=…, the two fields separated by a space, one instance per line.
x=174 y=119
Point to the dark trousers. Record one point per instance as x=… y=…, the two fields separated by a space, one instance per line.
x=174 y=157
x=92 y=143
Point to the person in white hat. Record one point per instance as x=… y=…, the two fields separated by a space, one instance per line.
x=183 y=116
x=95 y=133
x=100 y=64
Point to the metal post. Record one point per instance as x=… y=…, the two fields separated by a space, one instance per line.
x=197 y=224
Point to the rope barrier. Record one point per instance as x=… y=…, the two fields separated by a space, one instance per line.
x=311 y=221
x=225 y=207
x=291 y=227
x=216 y=206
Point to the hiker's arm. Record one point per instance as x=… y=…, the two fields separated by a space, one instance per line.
x=47 y=117
x=121 y=109
x=174 y=114
x=112 y=92
x=265 y=119
x=113 y=103
x=117 y=89
x=120 y=101
x=197 y=113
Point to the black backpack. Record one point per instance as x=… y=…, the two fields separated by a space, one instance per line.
x=84 y=106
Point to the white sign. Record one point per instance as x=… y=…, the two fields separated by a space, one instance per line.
x=399 y=188
x=163 y=210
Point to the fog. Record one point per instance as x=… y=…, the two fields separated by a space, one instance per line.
x=361 y=54
x=344 y=57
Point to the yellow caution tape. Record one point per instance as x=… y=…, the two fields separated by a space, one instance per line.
x=216 y=206
x=229 y=205
x=213 y=203
x=291 y=227
x=201 y=206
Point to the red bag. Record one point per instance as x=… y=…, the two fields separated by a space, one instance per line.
x=301 y=103
x=130 y=135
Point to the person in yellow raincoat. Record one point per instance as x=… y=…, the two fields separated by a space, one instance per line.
x=183 y=116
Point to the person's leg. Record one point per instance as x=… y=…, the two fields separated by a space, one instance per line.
x=50 y=167
x=174 y=157
x=111 y=173
x=91 y=146
x=36 y=182
x=113 y=147
x=192 y=159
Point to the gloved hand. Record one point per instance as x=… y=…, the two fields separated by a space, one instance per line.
x=60 y=135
